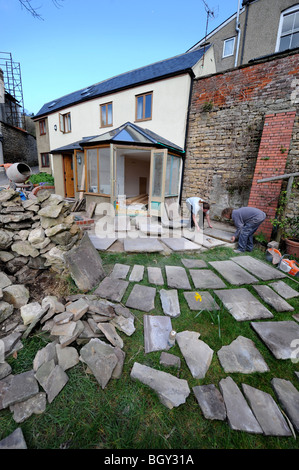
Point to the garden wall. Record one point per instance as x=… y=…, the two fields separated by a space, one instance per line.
x=226 y=122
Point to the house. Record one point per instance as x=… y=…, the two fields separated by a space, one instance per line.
x=125 y=135
x=258 y=28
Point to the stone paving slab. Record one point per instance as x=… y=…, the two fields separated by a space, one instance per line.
x=242 y=356
x=142 y=245
x=15 y=440
x=233 y=273
x=197 y=354
x=201 y=239
x=210 y=242
x=170 y=360
x=219 y=234
x=85 y=265
x=194 y=263
x=22 y=387
x=142 y=298
x=137 y=273
x=177 y=277
x=155 y=276
x=242 y=304
x=156 y=332
x=180 y=244
x=284 y=290
x=101 y=244
x=170 y=302
x=112 y=289
x=171 y=391
x=210 y=401
x=150 y=228
x=266 y=412
x=288 y=396
x=258 y=268
x=240 y=416
x=201 y=301
x=279 y=337
x=206 y=279
x=120 y=271
x=273 y=299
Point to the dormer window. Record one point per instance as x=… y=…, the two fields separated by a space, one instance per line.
x=288 y=31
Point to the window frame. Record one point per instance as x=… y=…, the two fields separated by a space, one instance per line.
x=98 y=165
x=102 y=106
x=144 y=95
x=233 y=38
x=65 y=123
x=42 y=156
x=42 y=127
x=284 y=14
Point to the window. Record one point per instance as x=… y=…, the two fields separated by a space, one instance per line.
x=228 y=47
x=173 y=173
x=42 y=127
x=144 y=105
x=65 y=122
x=106 y=114
x=98 y=170
x=45 y=160
x=288 y=32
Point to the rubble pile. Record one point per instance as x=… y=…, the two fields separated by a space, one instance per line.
x=81 y=328
x=35 y=233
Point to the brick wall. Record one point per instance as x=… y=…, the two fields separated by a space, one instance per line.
x=226 y=122
x=271 y=161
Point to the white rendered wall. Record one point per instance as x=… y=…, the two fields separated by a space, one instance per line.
x=169 y=113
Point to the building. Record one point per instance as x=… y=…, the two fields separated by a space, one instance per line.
x=125 y=135
x=258 y=28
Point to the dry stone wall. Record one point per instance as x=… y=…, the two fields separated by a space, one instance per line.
x=226 y=121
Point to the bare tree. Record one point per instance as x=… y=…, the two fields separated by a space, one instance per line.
x=27 y=4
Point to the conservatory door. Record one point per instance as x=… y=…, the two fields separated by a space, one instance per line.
x=157 y=181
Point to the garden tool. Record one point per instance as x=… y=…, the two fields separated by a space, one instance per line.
x=286 y=265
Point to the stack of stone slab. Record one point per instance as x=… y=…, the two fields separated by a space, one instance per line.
x=35 y=233
x=82 y=321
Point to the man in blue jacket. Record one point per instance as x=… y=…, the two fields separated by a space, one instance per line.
x=246 y=220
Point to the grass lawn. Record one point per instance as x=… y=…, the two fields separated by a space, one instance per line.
x=128 y=414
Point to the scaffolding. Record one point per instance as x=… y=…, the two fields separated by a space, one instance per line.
x=14 y=106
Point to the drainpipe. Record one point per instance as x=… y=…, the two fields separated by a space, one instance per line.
x=238 y=30
x=186 y=134
x=244 y=34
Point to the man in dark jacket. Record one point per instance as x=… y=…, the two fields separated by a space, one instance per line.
x=246 y=220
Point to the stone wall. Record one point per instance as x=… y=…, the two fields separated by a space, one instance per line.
x=226 y=122
x=18 y=146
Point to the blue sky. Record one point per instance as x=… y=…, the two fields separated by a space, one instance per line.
x=86 y=41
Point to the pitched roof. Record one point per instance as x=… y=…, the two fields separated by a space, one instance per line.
x=128 y=133
x=182 y=63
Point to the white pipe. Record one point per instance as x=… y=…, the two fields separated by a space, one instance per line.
x=238 y=30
